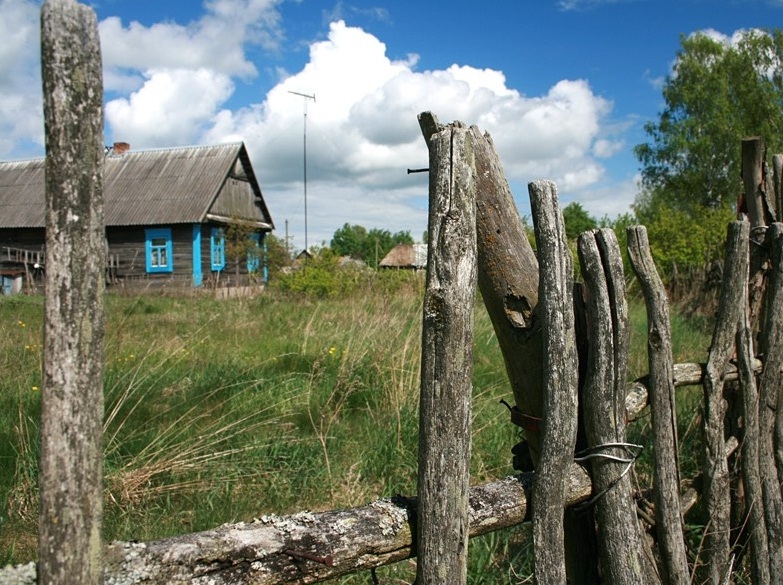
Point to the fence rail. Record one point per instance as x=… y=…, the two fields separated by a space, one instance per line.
x=22 y=256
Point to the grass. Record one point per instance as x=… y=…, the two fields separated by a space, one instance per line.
x=220 y=411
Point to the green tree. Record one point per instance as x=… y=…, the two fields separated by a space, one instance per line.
x=369 y=246
x=277 y=257
x=577 y=220
x=349 y=240
x=239 y=245
x=716 y=95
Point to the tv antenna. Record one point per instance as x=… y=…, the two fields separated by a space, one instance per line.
x=305 y=97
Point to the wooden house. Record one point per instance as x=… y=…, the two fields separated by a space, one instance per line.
x=174 y=217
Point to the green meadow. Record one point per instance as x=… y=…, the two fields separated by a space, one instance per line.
x=222 y=411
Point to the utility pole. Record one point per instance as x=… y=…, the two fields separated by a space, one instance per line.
x=306 y=97
x=287 y=242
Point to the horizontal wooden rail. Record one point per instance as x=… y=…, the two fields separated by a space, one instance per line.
x=305 y=547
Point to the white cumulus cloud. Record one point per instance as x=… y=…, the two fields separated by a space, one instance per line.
x=172 y=83
x=170 y=108
x=363 y=132
x=21 y=118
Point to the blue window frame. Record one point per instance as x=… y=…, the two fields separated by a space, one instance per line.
x=254 y=253
x=158 y=245
x=217 y=246
x=196 y=246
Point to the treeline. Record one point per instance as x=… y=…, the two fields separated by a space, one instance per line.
x=366 y=247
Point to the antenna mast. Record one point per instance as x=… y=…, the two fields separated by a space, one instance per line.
x=306 y=98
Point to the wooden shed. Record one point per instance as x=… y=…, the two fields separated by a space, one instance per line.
x=177 y=217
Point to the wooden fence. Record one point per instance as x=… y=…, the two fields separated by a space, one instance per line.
x=566 y=354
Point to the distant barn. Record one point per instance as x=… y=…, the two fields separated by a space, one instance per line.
x=408 y=256
x=184 y=217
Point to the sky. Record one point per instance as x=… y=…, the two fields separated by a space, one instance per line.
x=564 y=87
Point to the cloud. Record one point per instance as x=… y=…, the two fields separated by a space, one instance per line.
x=607 y=148
x=343 y=11
x=21 y=118
x=171 y=84
x=582 y=5
x=171 y=107
x=362 y=131
x=217 y=41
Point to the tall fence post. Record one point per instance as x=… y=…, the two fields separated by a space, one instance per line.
x=447 y=362
x=759 y=205
x=717 y=559
x=770 y=394
x=72 y=404
x=558 y=437
x=666 y=480
x=624 y=556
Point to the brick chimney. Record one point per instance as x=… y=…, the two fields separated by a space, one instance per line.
x=120 y=148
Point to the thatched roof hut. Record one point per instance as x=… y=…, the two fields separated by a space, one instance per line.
x=409 y=256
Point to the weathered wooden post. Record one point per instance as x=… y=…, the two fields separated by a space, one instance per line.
x=716 y=563
x=770 y=406
x=447 y=362
x=666 y=480
x=560 y=367
x=751 y=478
x=507 y=279
x=624 y=556
x=757 y=200
x=72 y=404
x=777 y=184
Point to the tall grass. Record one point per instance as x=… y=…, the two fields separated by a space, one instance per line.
x=220 y=411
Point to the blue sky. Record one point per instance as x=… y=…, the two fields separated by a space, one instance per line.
x=563 y=86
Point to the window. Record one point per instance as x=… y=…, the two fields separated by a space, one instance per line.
x=218 y=249
x=254 y=253
x=159 y=250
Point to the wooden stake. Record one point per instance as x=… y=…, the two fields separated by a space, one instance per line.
x=560 y=368
x=666 y=480
x=447 y=362
x=72 y=404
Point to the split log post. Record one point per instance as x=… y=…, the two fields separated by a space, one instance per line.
x=757 y=200
x=623 y=556
x=770 y=389
x=759 y=211
x=72 y=398
x=447 y=362
x=666 y=481
x=507 y=279
x=751 y=480
x=560 y=382
x=777 y=184
x=716 y=561
x=772 y=348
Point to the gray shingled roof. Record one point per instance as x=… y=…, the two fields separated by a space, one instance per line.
x=168 y=186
